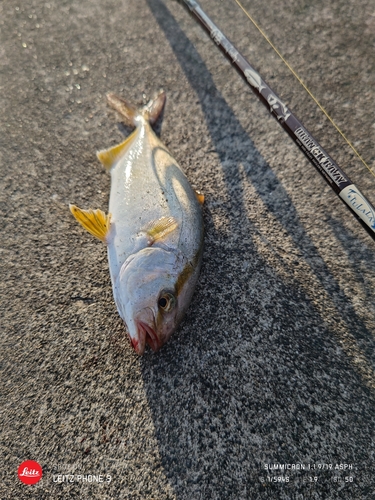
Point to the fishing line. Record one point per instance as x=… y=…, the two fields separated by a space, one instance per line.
x=336 y=178
x=295 y=74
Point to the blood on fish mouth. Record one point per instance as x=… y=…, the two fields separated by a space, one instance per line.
x=146 y=334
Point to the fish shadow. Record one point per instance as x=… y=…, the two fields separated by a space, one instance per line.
x=250 y=368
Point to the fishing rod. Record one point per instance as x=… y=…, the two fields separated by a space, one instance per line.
x=336 y=178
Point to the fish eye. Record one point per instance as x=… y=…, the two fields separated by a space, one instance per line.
x=166 y=301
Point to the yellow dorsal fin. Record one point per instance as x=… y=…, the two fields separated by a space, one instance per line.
x=200 y=197
x=95 y=222
x=160 y=228
x=109 y=157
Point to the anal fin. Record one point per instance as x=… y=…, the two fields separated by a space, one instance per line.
x=95 y=222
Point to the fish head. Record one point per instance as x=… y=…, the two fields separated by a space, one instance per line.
x=149 y=296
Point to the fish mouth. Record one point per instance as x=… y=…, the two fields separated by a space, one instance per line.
x=146 y=335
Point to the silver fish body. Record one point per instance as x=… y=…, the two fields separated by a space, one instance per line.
x=155 y=235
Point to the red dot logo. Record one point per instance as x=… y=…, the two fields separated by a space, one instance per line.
x=30 y=472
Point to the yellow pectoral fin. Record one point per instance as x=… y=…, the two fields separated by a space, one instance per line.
x=200 y=196
x=95 y=222
x=109 y=157
x=160 y=228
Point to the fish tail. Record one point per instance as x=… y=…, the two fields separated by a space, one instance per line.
x=130 y=113
x=154 y=107
x=127 y=110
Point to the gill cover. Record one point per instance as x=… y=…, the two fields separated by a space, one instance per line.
x=146 y=296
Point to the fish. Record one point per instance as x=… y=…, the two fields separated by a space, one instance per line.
x=153 y=229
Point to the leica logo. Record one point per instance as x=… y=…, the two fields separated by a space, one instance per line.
x=30 y=472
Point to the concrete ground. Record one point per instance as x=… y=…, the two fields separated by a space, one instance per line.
x=274 y=362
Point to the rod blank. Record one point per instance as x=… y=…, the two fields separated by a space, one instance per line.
x=341 y=184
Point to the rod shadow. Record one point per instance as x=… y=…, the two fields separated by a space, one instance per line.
x=222 y=404
x=233 y=143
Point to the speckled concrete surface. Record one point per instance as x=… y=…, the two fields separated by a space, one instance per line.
x=274 y=362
